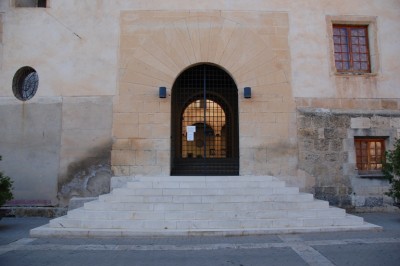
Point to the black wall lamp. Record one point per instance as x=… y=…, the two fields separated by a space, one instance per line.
x=162 y=92
x=247 y=92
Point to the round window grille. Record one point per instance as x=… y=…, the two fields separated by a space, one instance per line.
x=25 y=83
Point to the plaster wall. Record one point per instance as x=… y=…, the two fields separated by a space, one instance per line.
x=71 y=155
x=89 y=34
x=30 y=147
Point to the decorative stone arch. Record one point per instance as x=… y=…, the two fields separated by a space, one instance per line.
x=207 y=94
x=157 y=46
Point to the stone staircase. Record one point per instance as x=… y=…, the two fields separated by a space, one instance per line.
x=202 y=205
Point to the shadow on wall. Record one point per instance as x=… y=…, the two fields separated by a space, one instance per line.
x=89 y=177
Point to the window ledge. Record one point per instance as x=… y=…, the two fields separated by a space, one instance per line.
x=372 y=176
x=355 y=74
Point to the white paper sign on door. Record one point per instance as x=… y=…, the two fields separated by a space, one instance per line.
x=190 y=130
x=190 y=136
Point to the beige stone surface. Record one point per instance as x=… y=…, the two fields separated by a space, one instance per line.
x=123 y=157
x=245 y=44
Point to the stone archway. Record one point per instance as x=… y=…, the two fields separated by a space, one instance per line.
x=204 y=101
x=155 y=46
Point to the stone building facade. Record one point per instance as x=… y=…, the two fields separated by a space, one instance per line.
x=100 y=65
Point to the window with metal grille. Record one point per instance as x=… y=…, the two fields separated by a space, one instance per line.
x=25 y=83
x=351 y=48
x=30 y=3
x=370 y=153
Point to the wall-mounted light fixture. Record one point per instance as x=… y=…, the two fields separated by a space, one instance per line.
x=162 y=92
x=247 y=92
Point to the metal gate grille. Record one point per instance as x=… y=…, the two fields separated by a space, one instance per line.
x=205 y=123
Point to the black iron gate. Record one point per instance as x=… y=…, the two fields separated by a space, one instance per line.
x=205 y=138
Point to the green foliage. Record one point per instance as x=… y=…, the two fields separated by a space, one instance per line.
x=391 y=170
x=5 y=188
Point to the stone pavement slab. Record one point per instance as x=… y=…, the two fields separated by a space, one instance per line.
x=12 y=229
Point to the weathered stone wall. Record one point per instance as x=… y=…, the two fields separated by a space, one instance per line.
x=327 y=152
x=85 y=168
x=35 y=135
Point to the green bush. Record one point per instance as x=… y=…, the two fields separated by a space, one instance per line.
x=391 y=170
x=5 y=188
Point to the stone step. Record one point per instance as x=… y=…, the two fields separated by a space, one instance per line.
x=204 y=191
x=301 y=197
x=122 y=181
x=205 y=224
x=204 y=215
x=126 y=179
x=47 y=231
x=217 y=206
x=201 y=205
x=204 y=184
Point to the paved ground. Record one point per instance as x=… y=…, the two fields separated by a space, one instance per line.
x=343 y=248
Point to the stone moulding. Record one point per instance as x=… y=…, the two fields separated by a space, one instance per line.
x=358 y=112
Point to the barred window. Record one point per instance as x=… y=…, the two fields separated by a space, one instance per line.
x=25 y=83
x=351 y=48
x=370 y=153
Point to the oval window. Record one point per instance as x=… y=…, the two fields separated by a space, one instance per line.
x=25 y=83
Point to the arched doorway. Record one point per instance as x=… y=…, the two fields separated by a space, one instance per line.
x=205 y=130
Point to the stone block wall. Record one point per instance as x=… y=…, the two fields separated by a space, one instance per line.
x=251 y=46
x=327 y=152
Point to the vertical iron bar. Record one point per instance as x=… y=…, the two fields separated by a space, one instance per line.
x=205 y=112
